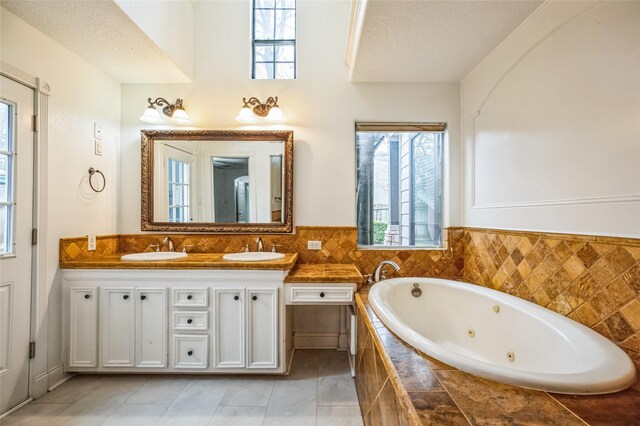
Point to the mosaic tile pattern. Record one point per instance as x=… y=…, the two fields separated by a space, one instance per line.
x=76 y=248
x=593 y=280
x=339 y=245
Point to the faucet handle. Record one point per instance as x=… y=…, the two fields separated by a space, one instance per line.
x=273 y=248
x=184 y=247
x=154 y=246
x=246 y=248
x=368 y=279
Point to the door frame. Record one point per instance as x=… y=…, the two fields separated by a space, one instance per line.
x=38 y=369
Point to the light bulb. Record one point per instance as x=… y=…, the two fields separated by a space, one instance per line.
x=246 y=116
x=151 y=115
x=180 y=116
x=275 y=115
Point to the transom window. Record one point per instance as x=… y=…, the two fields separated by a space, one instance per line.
x=7 y=184
x=399 y=197
x=273 y=39
x=179 y=207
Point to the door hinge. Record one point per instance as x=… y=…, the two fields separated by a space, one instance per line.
x=34 y=236
x=32 y=350
x=36 y=127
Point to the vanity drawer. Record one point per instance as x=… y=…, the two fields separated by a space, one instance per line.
x=190 y=351
x=190 y=321
x=190 y=297
x=330 y=294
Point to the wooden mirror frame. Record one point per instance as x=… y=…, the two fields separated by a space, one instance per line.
x=147 y=141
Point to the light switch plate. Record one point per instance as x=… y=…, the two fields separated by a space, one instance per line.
x=97 y=131
x=314 y=245
x=91 y=242
x=98 y=145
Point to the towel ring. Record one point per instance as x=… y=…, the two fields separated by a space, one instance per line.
x=92 y=172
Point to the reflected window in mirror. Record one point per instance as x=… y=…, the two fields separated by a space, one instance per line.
x=400 y=184
x=179 y=184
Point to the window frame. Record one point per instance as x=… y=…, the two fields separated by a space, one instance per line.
x=10 y=204
x=186 y=191
x=273 y=42
x=418 y=127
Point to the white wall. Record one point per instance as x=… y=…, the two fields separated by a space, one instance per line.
x=80 y=95
x=552 y=124
x=169 y=24
x=321 y=107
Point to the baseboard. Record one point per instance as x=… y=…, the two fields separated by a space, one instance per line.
x=315 y=340
x=57 y=376
x=16 y=408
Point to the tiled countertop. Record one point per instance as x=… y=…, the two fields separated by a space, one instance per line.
x=325 y=273
x=192 y=261
x=442 y=394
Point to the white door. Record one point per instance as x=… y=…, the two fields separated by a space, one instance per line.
x=83 y=327
x=229 y=323
x=117 y=313
x=262 y=319
x=17 y=108
x=151 y=327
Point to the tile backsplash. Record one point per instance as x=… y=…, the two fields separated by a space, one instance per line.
x=593 y=280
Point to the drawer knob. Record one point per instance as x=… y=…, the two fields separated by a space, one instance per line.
x=189 y=297
x=255 y=298
x=87 y=296
x=236 y=297
x=125 y=297
x=189 y=321
x=321 y=294
x=143 y=297
x=190 y=353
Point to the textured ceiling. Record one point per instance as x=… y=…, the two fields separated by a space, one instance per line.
x=432 y=41
x=101 y=33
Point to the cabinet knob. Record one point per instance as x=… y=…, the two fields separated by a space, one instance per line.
x=143 y=297
x=255 y=298
x=321 y=294
x=189 y=297
x=125 y=297
x=190 y=353
x=189 y=321
x=87 y=296
x=236 y=297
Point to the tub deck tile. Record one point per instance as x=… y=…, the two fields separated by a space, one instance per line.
x=415 y=374
x=488 y=403
x=622 y=408
x=437 y=408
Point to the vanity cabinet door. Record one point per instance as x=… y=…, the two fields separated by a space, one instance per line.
x=83 y=327
x=229 y=326
x=117 y=327
x=151 y=327
x=262 y=328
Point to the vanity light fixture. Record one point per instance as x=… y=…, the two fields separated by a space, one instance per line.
x=174 y=111
x=253 y=109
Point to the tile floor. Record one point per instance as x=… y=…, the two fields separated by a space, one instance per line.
x=319 y=392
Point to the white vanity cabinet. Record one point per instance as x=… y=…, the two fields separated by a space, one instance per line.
x=229 y=321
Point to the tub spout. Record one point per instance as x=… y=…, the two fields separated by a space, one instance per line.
x=379 y=272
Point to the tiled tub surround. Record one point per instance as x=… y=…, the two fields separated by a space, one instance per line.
x=593 y=280
x=399 y=385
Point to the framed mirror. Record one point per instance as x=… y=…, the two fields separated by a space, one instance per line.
x=231 y=181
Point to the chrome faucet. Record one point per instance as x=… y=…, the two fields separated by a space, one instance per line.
x=169 y=242
x=379 y=272
x=260 y=245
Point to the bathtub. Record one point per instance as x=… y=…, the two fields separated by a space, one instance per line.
x=501 y=337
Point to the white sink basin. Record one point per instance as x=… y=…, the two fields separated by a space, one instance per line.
x=153 y=256
x=253 y=256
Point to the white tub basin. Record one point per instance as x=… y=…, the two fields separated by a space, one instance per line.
x=154 y=256
x=253 y=256
x=501 y=337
